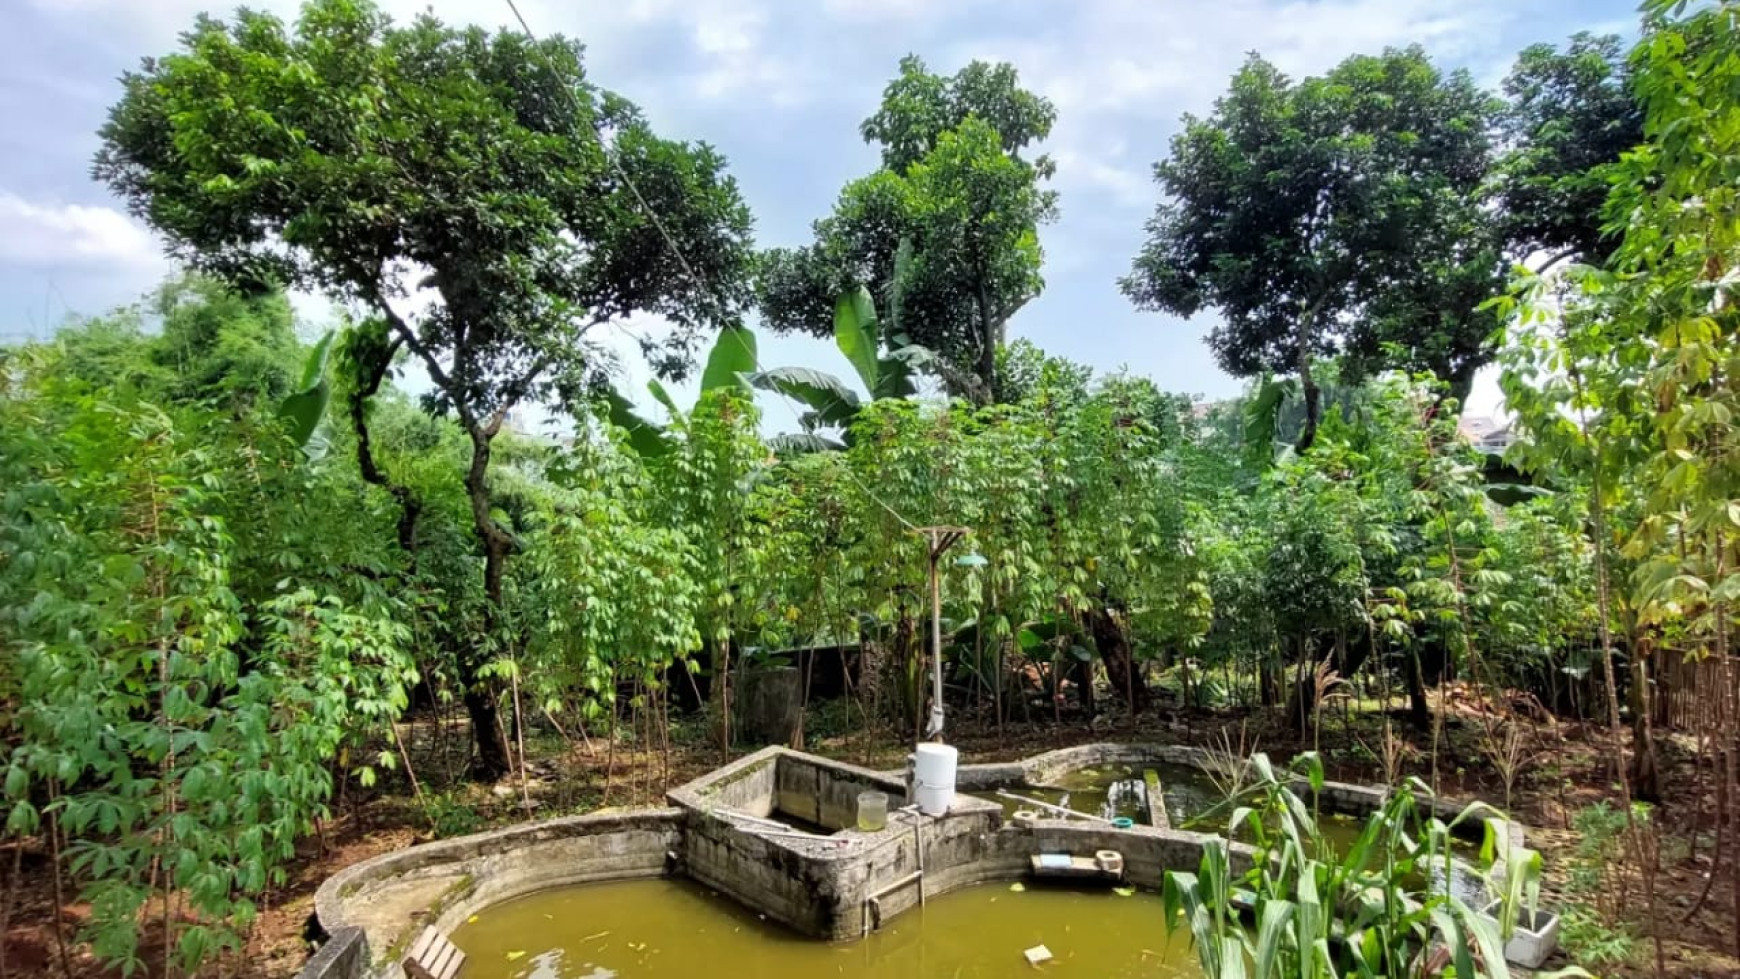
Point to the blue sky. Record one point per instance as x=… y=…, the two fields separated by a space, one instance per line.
x=780 y=87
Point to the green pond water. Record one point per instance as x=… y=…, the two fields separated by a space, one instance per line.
x=1119 y=790
x=652 y=928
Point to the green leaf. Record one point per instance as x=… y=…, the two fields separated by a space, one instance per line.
x=1271 y=935
x=855 y=331
x=894 y=372
x=314 y=365
x=733 y=356
x=679 y=417
x=802 y=443
x=831 y=403
x=303 y=410
x=646 y=438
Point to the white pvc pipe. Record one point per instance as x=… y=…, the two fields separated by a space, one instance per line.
x=1051 y=808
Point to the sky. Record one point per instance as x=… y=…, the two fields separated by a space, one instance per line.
x=779 y=86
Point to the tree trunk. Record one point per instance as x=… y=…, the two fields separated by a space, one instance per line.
x=1307 y=383
x=1114 y=648
x=987 y=346
x=1313 y=404
x=1269 y=683
x=1082 y=673
x=480 y=693
x=1419 y=708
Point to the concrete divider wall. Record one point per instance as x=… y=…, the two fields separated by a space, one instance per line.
x=816 y=888
x=745 y=785
x=826 y=795
x=344 y=956
x=761 y=873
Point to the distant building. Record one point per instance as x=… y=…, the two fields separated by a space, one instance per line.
x=1488 y=434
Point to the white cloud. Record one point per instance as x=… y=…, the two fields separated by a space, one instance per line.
x=1107 y=169
x=1146 y=58
x=884 y=10
x=34 y=235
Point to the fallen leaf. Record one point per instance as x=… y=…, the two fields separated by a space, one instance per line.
x=471 y=920
x=518 y=953
x=1124 y=891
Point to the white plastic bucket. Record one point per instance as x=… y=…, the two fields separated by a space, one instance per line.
x=933 y=778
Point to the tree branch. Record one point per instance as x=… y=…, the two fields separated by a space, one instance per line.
x=437 y=373
x=511 y=395
x=367 y=387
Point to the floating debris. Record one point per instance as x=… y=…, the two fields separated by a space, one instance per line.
x=1037 y=954
x=1017 y=887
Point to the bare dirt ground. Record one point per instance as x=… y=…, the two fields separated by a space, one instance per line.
x=1564 y=766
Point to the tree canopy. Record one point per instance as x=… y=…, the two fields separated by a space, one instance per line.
x=1572 y=113
x=1336 y=214
x=955 y=191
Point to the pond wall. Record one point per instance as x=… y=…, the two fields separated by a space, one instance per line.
x=832 y=887
x=374 y=909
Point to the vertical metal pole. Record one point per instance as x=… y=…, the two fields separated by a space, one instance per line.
x=936 y=662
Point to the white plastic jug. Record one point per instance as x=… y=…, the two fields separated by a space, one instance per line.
x=933 y=783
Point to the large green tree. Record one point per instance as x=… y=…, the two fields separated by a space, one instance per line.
x=1336 y=215
x=468 y=188
x=955 y=188
x=1572 y=114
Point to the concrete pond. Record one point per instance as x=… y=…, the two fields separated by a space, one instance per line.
x=768 y=852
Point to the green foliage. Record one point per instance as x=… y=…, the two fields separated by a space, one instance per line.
x=191 y=341
x=946 y=235
x=370 y=160
x=858 y=334
x=188 y=658
x=450 y=816
x=1595 y=930
x=1572 y=115
x=1374 y=910
x=207 y=619
x=611 y=595
x=1336 y=214
x=1623 y=376
x=304 y=409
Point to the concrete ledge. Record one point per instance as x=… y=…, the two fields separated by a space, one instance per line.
x=344 y=956
x=979 y=778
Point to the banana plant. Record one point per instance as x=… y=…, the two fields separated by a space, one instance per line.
x=832 y=403
x=303 y=409
x=729 y=364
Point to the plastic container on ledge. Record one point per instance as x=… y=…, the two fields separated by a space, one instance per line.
x=872 y=811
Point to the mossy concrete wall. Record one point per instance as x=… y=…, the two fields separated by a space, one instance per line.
x=392 y=897
x=840 y=887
